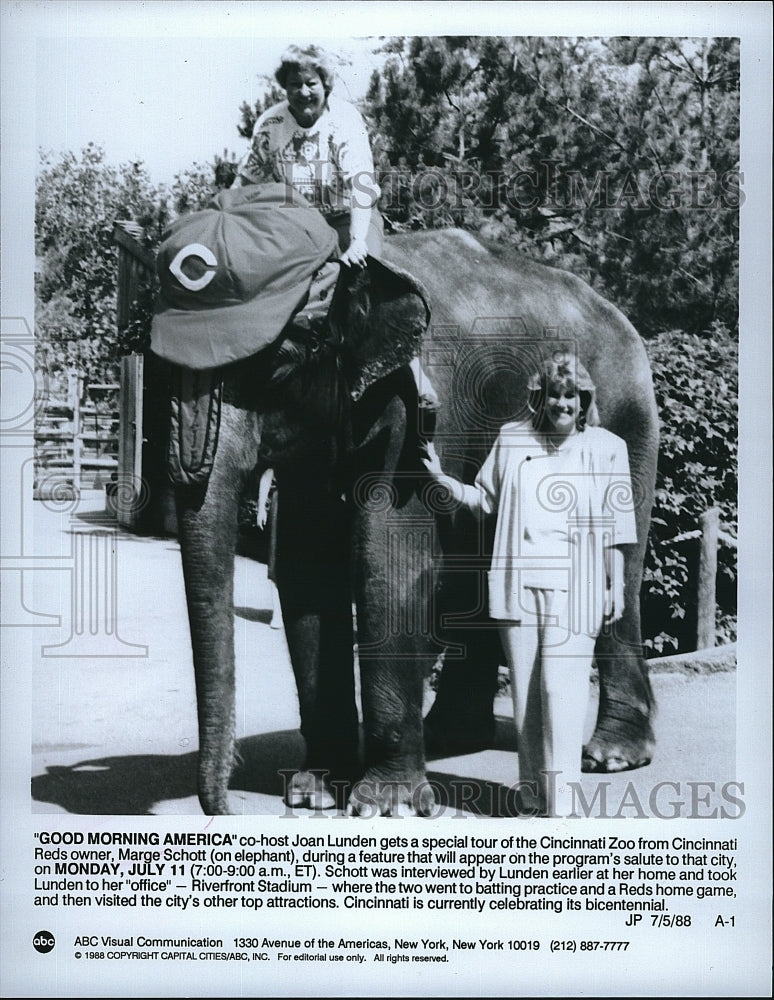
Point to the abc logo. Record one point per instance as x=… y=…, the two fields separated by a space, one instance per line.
x=43 y=942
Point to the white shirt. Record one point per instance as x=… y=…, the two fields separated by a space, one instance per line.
x=556 y=511
x=330 y=162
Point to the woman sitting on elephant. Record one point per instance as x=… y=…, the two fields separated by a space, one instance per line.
x=560 y=487
x=319 y=144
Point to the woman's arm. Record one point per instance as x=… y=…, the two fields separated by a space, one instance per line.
x=355 y=161
x=618 y=503
x=357 y=251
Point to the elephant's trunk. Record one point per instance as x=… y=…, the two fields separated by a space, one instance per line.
x=207 y=526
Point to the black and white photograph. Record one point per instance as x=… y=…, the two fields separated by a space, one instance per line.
x=386 y=490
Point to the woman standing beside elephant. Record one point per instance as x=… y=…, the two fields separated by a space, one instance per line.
x=561 y=489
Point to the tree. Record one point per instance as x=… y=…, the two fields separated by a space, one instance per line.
x=195 y=186
x=250 y=115
x=681 y=140
x=78 y=199
x=697 y=387
x=616 y=158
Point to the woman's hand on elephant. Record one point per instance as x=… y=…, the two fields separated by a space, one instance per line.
x=356 y=253
x=430 y=459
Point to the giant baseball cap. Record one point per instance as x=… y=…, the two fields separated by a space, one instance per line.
x=232 y=275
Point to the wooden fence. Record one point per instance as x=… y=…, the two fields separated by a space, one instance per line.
x=76 y=437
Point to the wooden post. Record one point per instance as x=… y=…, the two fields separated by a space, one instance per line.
x=133 y=260
x=709 y=523
x=75 y=391
x=130 y=441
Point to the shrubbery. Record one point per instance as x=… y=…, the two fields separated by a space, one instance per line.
x=696 y=383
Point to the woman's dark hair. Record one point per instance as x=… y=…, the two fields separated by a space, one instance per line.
x=566 y=372
x=312 y=57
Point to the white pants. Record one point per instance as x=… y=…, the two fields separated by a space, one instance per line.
x=549 y=664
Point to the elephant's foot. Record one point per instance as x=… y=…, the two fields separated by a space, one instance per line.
x=623 y=737
x=309 y=790
x=376 y=795
x=606 y=756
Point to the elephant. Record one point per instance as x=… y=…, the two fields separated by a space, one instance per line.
x=336 y=415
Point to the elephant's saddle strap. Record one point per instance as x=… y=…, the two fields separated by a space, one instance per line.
x=195 y=422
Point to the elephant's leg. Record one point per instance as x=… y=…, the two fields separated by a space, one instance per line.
x=392 y=544
x=393 y=601
x=207 y=527
x=461 y=719
x=315 y=591
x=623 y=736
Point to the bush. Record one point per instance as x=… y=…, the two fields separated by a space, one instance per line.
x=696 y=383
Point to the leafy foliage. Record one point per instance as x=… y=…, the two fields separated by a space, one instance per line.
x=617 y=159
x=250 y=115
x=78 y=200
x=193 y=187
x=696 y=386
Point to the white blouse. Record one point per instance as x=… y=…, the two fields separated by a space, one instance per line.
x=330 y=163
x=557 y=510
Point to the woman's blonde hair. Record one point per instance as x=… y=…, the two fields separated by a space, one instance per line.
x=297 y=59
x=566 y=371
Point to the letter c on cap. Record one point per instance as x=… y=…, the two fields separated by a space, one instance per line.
x=194 y=250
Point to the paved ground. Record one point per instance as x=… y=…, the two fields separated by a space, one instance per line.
x=116 y=734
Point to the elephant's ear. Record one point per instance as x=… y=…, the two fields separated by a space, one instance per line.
x=382 y=313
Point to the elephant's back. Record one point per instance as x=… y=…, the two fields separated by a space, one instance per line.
x=496 y=313
x=470 y=280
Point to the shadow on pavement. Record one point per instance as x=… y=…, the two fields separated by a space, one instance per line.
x=503 y=738
x=459 y=795
x=134 y=784
x=121 y=786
